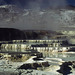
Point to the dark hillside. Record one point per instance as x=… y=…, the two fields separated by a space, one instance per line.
x=7 y=34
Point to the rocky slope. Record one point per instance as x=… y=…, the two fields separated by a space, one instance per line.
x=8 y=34
x=41 y=34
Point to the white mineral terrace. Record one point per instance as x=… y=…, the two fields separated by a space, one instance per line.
x=24 y=45
x=14 y=65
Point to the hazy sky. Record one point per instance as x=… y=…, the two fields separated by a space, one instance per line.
x=42 y=3
x=34 y=21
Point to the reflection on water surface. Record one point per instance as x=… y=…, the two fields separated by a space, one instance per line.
x=65 y=56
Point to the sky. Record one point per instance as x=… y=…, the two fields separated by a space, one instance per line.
x=71 y=2
x=42 y=3
x=34 y=4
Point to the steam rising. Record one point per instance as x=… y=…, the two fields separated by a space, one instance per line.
x=37 y=17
